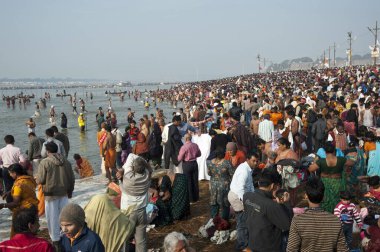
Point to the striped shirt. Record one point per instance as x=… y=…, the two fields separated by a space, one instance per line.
x=316 y=230
x=266 y=130
x=347 y=213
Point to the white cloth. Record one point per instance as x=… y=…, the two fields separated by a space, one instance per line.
x=242 y=180
x=165 y=133
x=266 y=130
x=61 y=149
x=35 y=163
x=137 y=201
x=11 y=155
x=368 y=118
x=204 y=143
x=53 y=209
x=129 y=200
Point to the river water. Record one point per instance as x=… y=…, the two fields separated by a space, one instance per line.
x=13 y=119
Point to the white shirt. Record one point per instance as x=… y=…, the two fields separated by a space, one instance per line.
x=60 y=150
x=165 y=133
x=266 y=130
x=242 y=180
x=11 y=155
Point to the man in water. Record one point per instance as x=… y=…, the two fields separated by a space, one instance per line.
x=82 y=122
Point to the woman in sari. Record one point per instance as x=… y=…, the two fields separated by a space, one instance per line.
x=331 y=169
x=353 y=185
x=23 y=191
x=180 y=196
x=164 y=201
x=284 y=151
x=220 y=171
x=141 y=147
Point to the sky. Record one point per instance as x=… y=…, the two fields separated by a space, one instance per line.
x=173 y=40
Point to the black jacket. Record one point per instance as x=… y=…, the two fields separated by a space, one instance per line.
x=266 y=220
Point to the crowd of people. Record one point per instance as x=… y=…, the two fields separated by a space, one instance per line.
x=293 y=158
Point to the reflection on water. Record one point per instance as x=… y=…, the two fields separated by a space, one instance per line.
x=13 y=118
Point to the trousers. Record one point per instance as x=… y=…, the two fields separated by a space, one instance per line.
x=53 y=209
x=8 y=182
x=190 y=169
x=139 y=217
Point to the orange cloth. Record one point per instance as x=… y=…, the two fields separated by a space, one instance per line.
x=101 y=136
x=85 y=169
x=275 y=117
x=110 y=158
x=369 y=146
x=265 y=112
x=24 y=188
x=41 y=201
x=236 y=160
x=222 y=126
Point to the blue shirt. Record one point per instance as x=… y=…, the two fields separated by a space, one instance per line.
x=322 y=153
x=184 y=127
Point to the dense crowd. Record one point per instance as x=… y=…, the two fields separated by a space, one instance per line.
x=293 y=158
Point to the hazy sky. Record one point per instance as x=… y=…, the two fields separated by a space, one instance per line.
x=172 y=40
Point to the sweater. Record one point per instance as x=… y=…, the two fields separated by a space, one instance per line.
x=133 y=183
x=347 y=213
x=56 y=176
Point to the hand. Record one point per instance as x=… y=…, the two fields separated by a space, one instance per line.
x=286 y=197
x=119 y=174
x=5 y=195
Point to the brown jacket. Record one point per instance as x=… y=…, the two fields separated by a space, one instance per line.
x=56 y=176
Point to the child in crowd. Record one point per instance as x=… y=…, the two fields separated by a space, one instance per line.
x=133 y=132
x=371 y=236
x=83 y=167
x=346 y=212
x=374 y=188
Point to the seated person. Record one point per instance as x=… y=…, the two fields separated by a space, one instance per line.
x=83 y=167
x=374 y=187
x=77 y=236
x=112 y=225
x=163 y=201
x=26 y=225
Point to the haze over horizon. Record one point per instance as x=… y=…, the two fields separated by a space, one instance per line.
x=167 y=41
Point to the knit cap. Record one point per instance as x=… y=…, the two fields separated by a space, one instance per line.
x=73 y=213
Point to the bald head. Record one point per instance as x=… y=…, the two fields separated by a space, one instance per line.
x=187 y=137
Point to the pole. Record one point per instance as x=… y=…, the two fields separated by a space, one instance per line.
x=374 y=33
x=329 y=56
x=264 y=63
x=324 y=58
x=334 y=54
x=258 y=60
x=375 y=48
x=350 y=52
